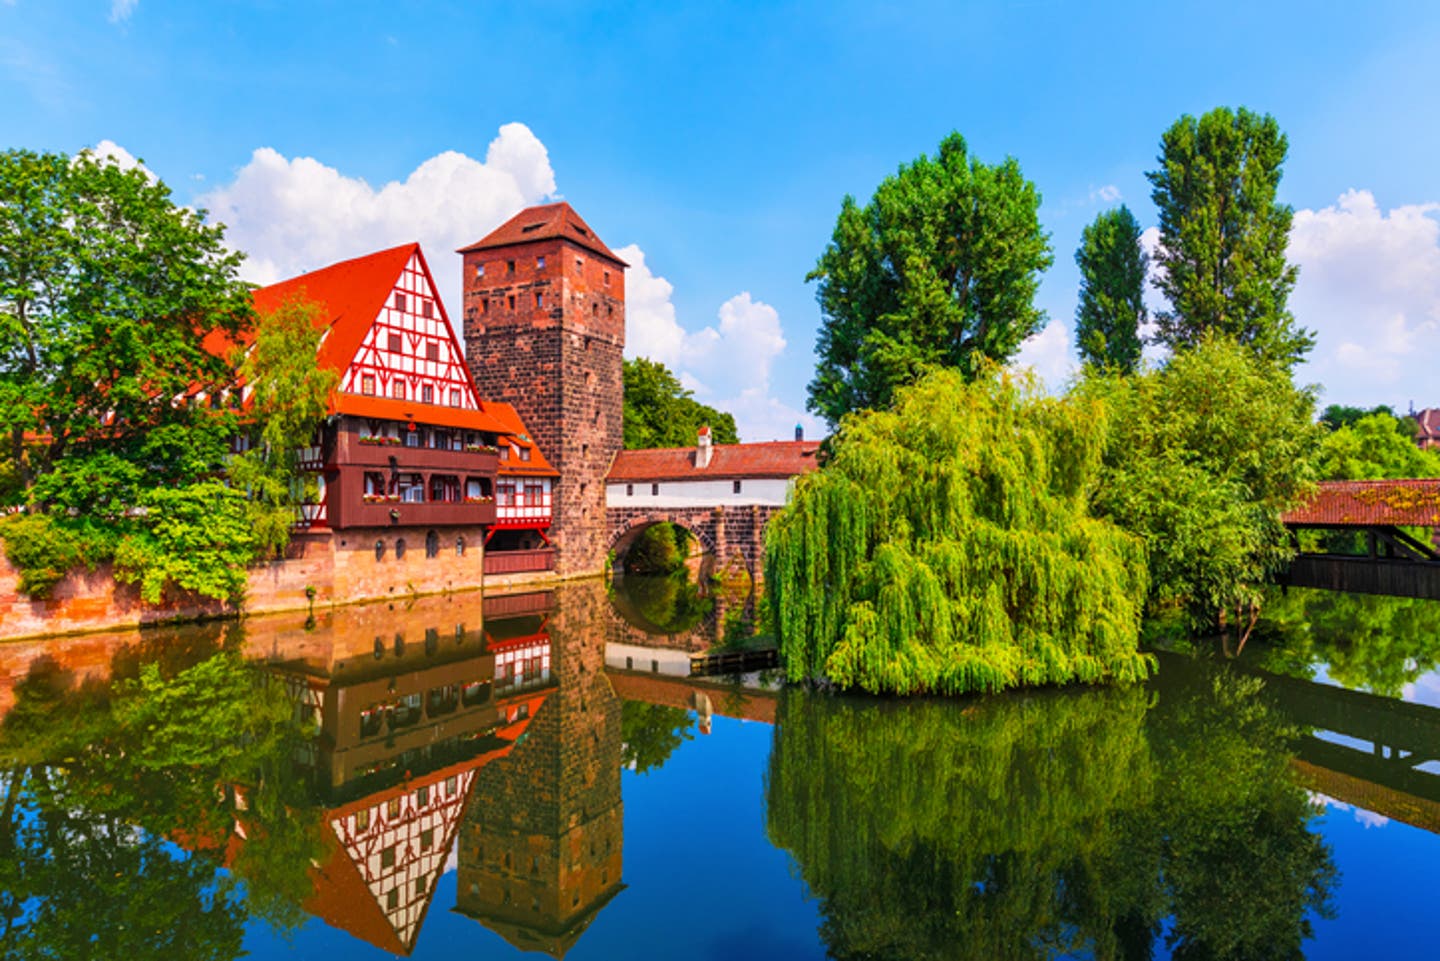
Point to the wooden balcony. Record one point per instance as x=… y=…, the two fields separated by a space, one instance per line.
x=349 y=451
x=519 y=562
x=354 y=512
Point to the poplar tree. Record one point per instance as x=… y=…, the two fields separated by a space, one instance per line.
x=940 y=268
x=1112 y=288
x=1223 y=235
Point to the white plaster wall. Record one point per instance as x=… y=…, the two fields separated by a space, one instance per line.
x=701 y=493
x=658 y=660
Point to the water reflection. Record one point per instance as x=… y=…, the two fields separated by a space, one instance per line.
x=1097 y=821
x=163 y=789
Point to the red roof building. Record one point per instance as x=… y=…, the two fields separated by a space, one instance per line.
x=410 y=441
x=1427 y=428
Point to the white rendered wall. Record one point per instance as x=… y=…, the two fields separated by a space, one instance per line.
x=770 y=492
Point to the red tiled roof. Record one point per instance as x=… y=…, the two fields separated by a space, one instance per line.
x=514 y=427
x=1427 y=424
x=386 y=408
x=784 y=458
x=546 y=222
x=1376 y=502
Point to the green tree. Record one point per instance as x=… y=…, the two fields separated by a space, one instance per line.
x=289 y=397
x=107 y=292
x=650 y=734
x=1223 y=235
x=1203 y=457
x=1112 y=290
x=948 y=546
x=1375 y=446
x=939 y=268
x=1340 y=415
x=659 y=412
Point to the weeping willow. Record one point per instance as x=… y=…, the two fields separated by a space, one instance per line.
x=947 y=547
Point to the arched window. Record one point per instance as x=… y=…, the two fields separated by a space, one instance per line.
x=399 y=548
x=432 y=544
x=460 y=547
x=379 y=550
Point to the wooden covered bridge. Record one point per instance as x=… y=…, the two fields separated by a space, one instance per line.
x=1394 y=561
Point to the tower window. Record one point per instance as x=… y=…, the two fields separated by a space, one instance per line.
x=485 y=305
x=579 y=264
x=509 y=266
x=595 y=310
x=479 y=270
x=540 y=263
x=399 y=301
x=539 y=301
x=607 y=278
x=512 y=301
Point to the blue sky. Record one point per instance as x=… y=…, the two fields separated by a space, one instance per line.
x=715 y=142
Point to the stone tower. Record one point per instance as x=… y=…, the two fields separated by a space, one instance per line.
x=544 y=314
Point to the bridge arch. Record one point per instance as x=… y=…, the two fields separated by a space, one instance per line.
x=624 y=534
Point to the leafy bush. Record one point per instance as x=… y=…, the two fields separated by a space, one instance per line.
x=44 y=549
x=196 y=538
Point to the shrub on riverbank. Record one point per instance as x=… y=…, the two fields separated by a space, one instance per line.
x=948 y=547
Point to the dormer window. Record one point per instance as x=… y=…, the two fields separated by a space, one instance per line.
x=524 y=453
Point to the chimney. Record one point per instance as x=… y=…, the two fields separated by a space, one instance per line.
x=702 y=448
x=799 y=431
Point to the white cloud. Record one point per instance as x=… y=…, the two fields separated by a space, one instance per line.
x=1049 y=355
x=1107 y=194
x=121 y=9
x=727 y=364
x=1370 y=288
x=294 y=215
x=124 y=159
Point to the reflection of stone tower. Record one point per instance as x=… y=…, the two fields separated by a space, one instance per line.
x=545 y=329
x=540 y=847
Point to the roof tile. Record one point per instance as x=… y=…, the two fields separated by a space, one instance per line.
x=784 y=458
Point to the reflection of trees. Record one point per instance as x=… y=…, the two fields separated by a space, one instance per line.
x=650 y=733
x=672 y=603
x=101 y=779
x=1369 y=642
x=1064 y=821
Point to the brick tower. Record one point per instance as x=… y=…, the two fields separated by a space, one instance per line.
x=544 y=313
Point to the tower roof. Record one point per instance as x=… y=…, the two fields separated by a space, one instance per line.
x=545 y=222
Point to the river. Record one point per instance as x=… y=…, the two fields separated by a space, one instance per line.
x=482 y=777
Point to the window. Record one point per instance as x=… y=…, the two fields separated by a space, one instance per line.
x=460 y=552
x=654 y=490
x=395 y=343
x=379 y=550
x=509 y=266
x=367 y=385
x=539 y=301
x=629 y=490
x=422 y=797
x=505 y=452
x=399 y=301
x=412 y=491
x=485 y=305
x=505 y=495
x=392 y=811
x=392 y=897
x=736 y=487
x=432 y=351
x=595 y=310
x=607 y=278
x=412 y=438
x=524 y=453
x=511 y=301
x=454 y=397
x=399 y=553
x=534 y=495
x=374 y=484
x=427 y=309
x=420 y=886
x=427 y=839
x=397 y=389
x=579 y=263
x=427 y=394
x=479 y=270
x=432 y=545
x=540 y=263
x=362 y=820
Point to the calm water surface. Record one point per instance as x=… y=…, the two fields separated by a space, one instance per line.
x=482 y=778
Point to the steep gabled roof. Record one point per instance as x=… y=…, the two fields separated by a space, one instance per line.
x=545 y=222
x=514 y=427
x=350 y=295
x=1427 y=424
x=782 y=458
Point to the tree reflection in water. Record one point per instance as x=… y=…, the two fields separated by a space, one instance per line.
x=120 y=803
x=1061 y=821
